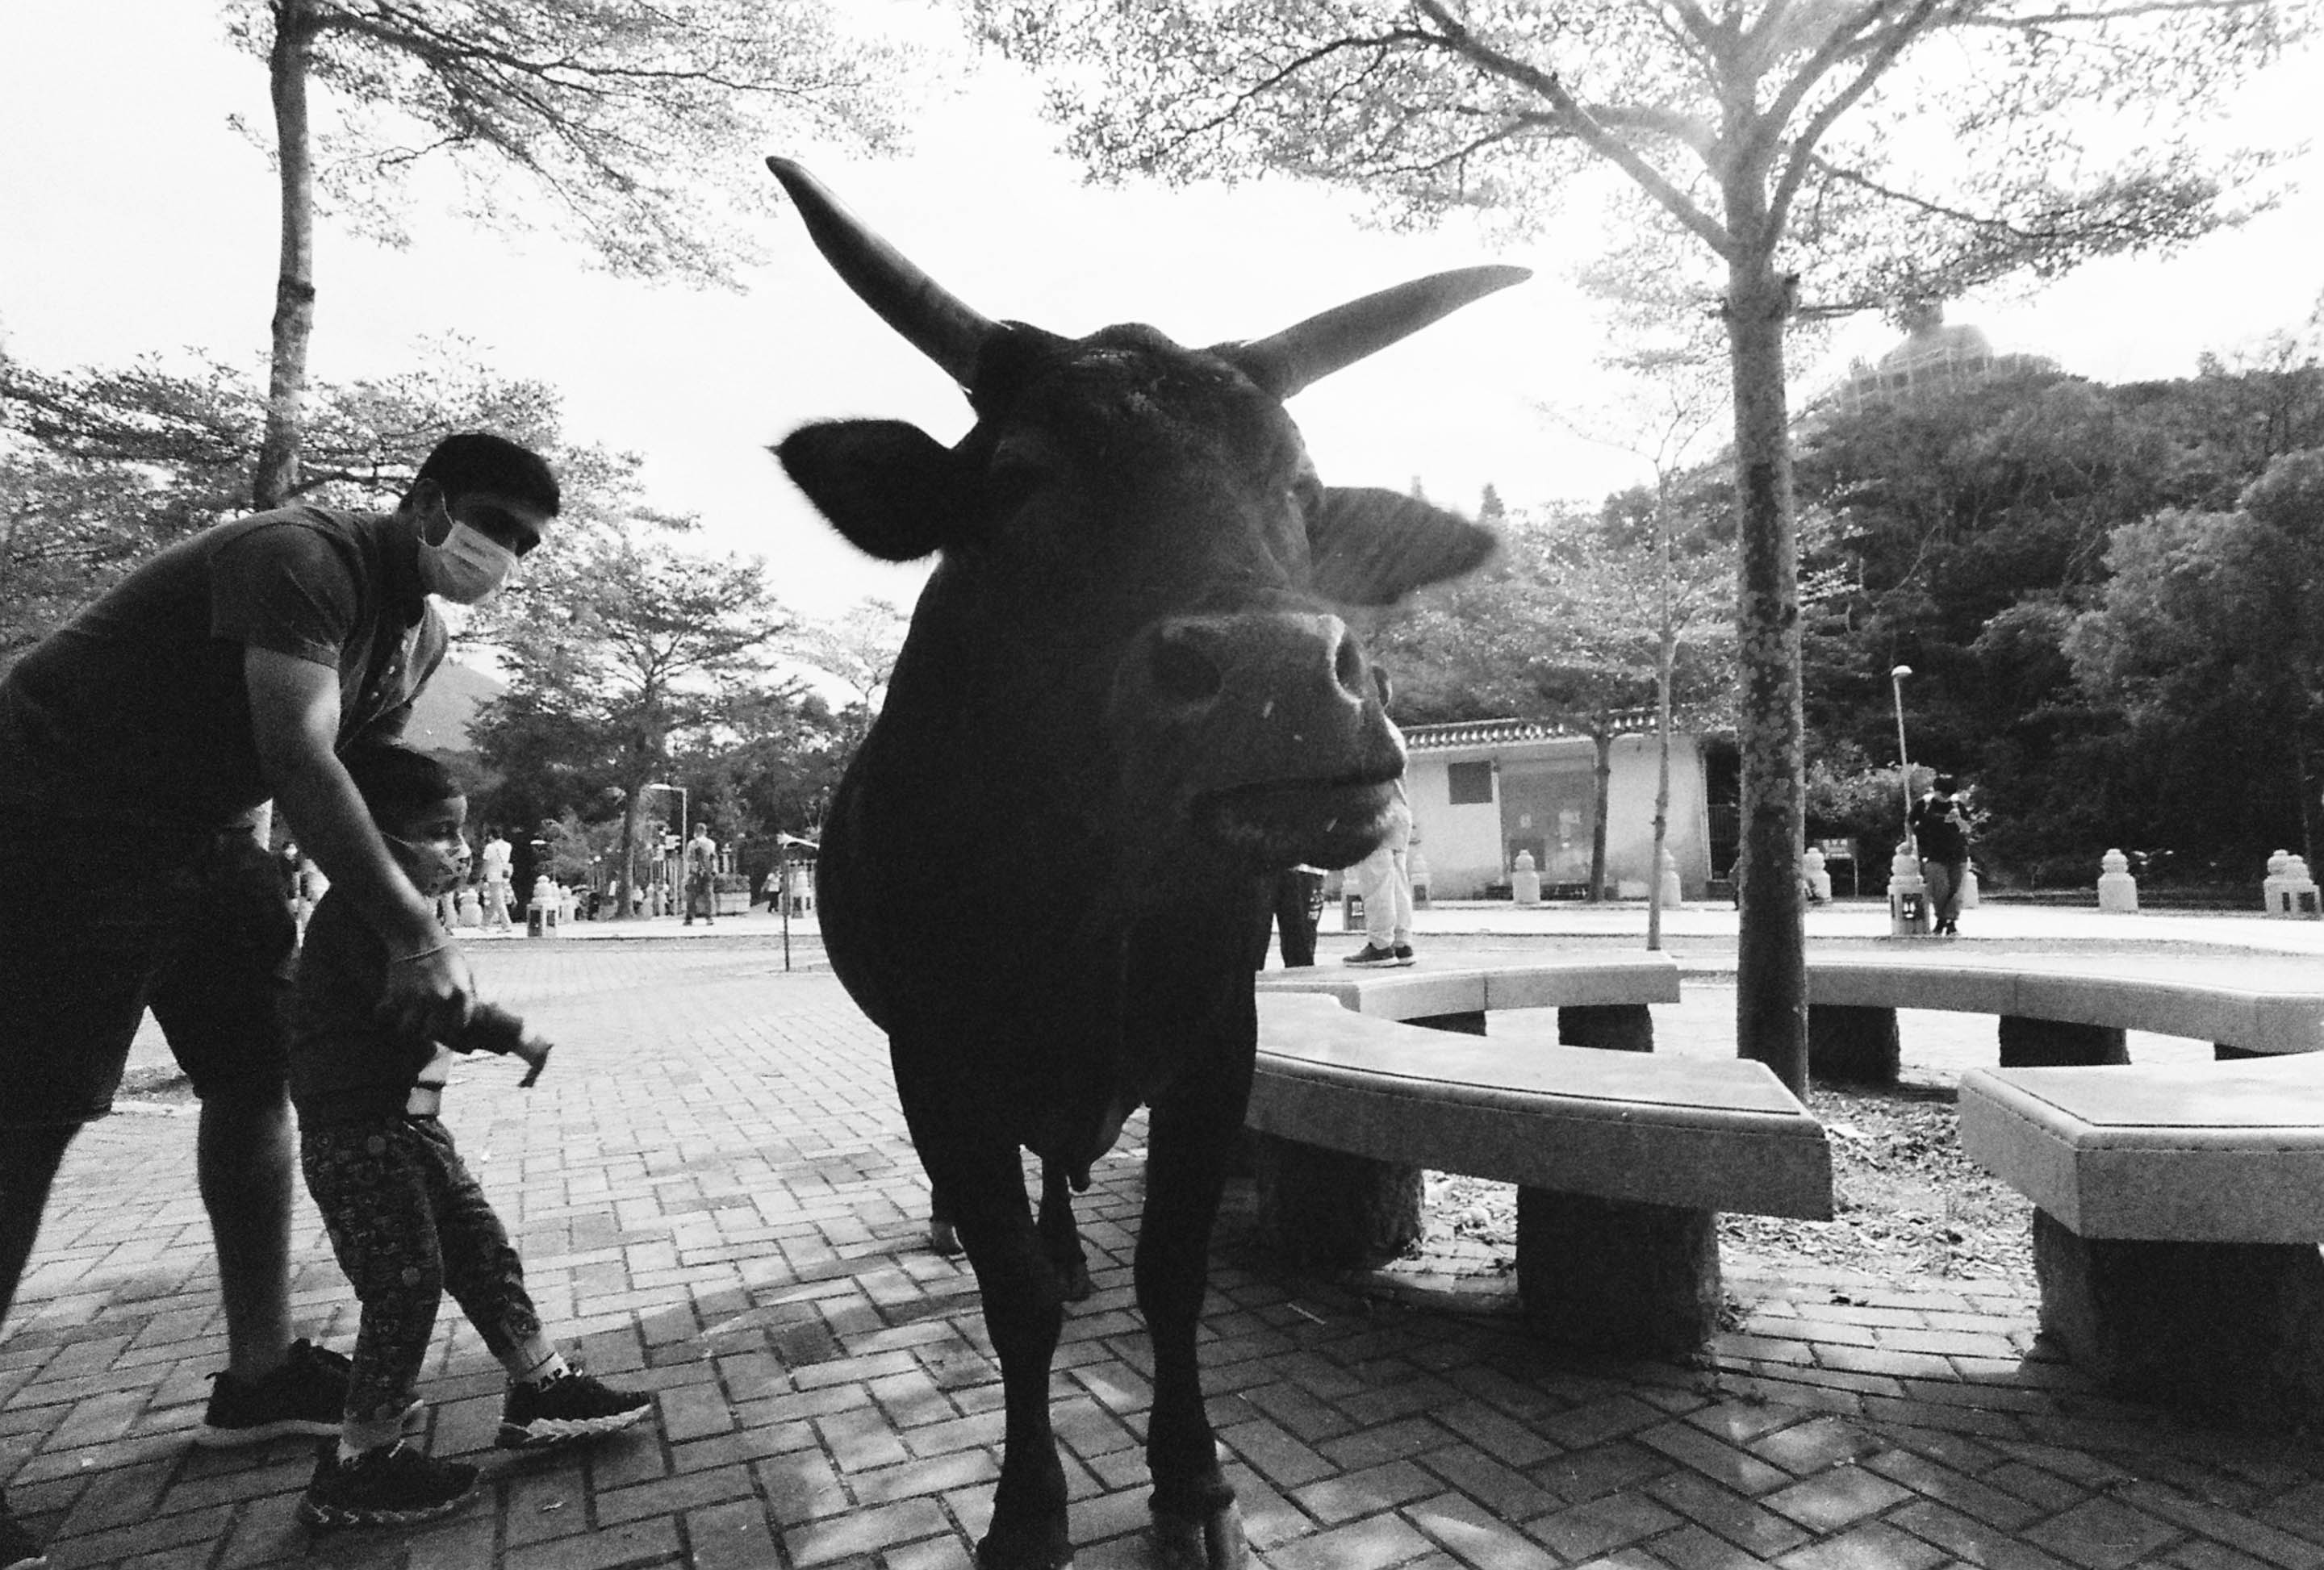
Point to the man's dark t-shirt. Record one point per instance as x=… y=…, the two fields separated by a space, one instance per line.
x=1937 y=828
x=134 y=714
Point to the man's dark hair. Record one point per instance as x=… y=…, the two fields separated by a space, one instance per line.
x=397 y=784
x=480 y=461
x=1943 y=785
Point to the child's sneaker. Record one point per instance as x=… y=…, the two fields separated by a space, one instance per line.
x=396 y=1486
x=571 y=1407
x=307 y=1395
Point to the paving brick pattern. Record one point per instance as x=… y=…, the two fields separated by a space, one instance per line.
x=714 y=1198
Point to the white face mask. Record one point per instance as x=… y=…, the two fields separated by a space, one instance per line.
x=467 y=567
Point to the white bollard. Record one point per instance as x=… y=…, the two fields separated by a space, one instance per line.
x=2117 y=890
x=1524 y=879
x=1817 y=876
x=1908 y=896
x=1674 y=896
x=2271 y=888
x=2300 y=895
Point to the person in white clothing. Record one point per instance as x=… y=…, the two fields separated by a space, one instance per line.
x=497 y=866
x=1384 y=879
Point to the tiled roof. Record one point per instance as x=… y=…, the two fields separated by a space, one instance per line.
x=1503 y=732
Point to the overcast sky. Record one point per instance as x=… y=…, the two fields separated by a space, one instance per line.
x=134 y=218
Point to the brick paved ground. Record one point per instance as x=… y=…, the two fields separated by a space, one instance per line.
x=713 y=1193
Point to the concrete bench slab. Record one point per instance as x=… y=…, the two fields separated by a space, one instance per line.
x=1707 y=1134
x=2178 y=1211
x=1417 y=994
x=2046 y=1015
x=1621 y=1160
x=2210 y=1153
x=1601 y=1002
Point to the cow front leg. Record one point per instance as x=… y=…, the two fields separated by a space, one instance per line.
x=1196 y=1526
x=1061 y=1239
x=984 y=1189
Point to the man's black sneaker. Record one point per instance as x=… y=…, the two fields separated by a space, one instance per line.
x=1403 y=954
x=1377 y=959
x=17 y=1550
x=573 y=1407
x=307 y=1395
x=395 y=1486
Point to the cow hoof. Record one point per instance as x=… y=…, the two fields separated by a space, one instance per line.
x=1211 y=1541
x=943 y=1239
x=1074 y=1281
x=1047 y=1554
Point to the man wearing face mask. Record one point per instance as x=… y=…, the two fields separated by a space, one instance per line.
x=230 y=669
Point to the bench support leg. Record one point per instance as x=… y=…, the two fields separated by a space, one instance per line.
x=1326 y=1207
x=2049 y=1044
x=1849 y=1044
x=2230 y=1330
x=1617 y=1274
x=1613 y=1027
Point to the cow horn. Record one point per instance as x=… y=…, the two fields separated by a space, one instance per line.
x=930 y=317
x=1299 y=357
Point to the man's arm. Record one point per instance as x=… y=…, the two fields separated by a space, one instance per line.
x=294 y=717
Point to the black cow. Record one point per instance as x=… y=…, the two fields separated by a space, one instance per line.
x=1123 y=705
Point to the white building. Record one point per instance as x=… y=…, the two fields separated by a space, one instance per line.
x=1480 y=793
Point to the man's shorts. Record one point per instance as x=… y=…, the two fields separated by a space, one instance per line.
x=93 y=933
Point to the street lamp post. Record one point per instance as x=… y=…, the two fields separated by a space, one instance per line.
x=1904 y=760
x=1908 y=896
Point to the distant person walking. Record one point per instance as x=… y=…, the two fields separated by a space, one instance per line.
x=497 y=865
x=701 y=876
x=1941 y=829
x=232 y=668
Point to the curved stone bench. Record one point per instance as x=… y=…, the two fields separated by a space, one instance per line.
x=1622 y=1159
x=2178 y=1211
x=2048 y=1017
x=1601 y=1002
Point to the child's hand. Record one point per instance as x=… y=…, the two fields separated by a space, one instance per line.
x=535 y=1052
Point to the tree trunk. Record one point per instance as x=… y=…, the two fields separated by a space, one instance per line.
x=1771 y=1023
x=627 y=883
x=1665 y=652
x=294 y=286
x=1604 y=738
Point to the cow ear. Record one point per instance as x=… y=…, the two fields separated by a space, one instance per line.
x=1371 y=546
x=892 y=489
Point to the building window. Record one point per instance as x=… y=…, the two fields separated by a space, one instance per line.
x=1471 y=784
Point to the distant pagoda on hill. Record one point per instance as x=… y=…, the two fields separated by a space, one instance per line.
x=1936 y=356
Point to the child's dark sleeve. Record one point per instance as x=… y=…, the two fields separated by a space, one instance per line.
x=490 y=1029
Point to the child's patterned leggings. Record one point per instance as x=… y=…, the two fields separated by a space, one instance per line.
x=409 y=1224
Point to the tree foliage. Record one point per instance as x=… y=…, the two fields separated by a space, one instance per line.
x=100 y=467
x=627 y=658
x=634 y=127
x=1973 y=534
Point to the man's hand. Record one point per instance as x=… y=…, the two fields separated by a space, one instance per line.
x=428 y=994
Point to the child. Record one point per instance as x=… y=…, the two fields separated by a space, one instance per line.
x=405 y=1218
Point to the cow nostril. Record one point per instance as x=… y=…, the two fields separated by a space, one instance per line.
x=1347 y=666
x=1184 y=674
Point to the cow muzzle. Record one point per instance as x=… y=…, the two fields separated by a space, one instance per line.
x=1262 y=731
